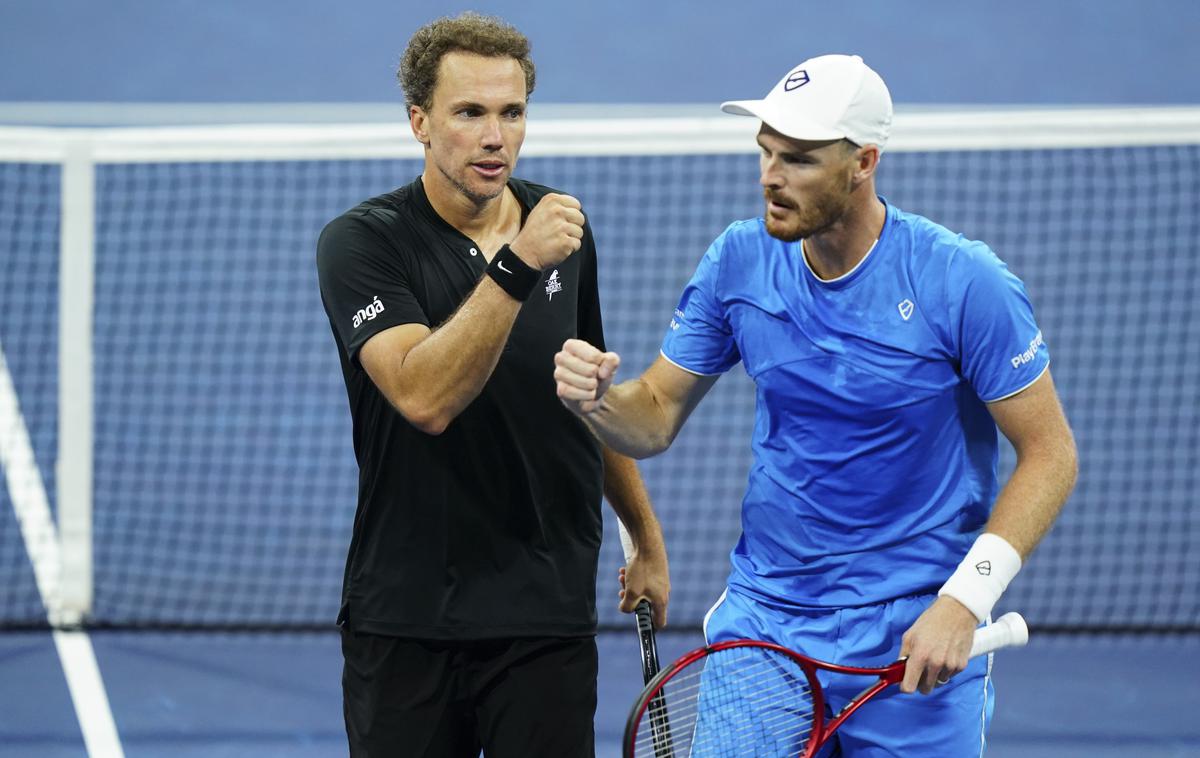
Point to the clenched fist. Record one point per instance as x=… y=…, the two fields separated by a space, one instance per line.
x=553 y=230
x=583 y=374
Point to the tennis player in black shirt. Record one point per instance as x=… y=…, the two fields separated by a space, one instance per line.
x=468 y=610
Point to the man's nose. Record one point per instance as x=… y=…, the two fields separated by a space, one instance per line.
x=491 y=138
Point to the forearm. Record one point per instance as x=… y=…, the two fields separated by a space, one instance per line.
x=645 y=574
x=444 y=372
x=1022 y=515
x=632 y=421
x=626 y=493
x=1030 y=501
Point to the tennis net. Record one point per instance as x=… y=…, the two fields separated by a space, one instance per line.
x=171 y=374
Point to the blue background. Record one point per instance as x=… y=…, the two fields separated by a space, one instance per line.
x=673 y=51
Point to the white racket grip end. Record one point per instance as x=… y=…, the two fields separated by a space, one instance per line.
x=1009 y=630
x=626 y=541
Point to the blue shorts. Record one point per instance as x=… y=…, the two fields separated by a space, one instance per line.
x=952 y=721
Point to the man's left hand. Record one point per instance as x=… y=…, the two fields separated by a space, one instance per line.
x=937 y=645
x=647 y=577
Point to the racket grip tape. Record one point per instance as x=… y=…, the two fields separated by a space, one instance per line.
x=626 y=541
x=1009 y=630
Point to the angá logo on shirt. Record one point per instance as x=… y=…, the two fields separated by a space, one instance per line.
x=373 y=309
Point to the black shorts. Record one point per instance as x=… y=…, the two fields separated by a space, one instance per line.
x=513 y=698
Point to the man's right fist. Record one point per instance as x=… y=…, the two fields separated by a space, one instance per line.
x=553 y=230
x=583 y=374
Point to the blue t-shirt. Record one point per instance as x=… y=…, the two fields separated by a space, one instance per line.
x=874 y=455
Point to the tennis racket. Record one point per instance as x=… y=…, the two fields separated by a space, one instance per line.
x=750 y=698
x=657 y=726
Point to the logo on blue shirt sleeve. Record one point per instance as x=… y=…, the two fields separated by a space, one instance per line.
x=1035 y=345
x=675 y=321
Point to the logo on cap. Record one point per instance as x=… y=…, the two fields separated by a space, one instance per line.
x=796 y=80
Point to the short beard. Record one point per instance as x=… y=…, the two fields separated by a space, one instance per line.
x=822 y=217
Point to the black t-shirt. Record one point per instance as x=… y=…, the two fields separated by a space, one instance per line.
x=491 y=529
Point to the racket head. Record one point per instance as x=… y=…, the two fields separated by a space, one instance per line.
x=734 y=698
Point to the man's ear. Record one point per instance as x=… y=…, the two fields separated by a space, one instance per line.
x=866 y=162
x=418 y=119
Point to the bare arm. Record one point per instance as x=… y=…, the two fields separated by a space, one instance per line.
x=431 y=376
x=1033 y=421
x=645 y=575
x=639 y=418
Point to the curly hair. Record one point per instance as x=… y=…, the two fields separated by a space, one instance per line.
x=469 y=32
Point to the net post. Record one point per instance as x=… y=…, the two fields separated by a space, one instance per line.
x=75 y=383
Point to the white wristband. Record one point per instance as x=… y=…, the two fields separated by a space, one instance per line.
x=983 y=575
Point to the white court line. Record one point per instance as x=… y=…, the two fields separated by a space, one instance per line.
x=32 y=507
x=87 y=693
x=28 y=495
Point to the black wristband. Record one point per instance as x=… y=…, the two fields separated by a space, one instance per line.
x=513 y=275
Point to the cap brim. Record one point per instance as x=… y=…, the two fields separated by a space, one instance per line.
x=788 y=124
x=741 y=107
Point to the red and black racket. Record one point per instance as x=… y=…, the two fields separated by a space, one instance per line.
x=750 y=698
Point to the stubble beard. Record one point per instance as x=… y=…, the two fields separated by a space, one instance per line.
x=459 y=183
x=819 y=214
x=808 y=222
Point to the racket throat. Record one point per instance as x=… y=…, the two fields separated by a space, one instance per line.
x=855 y=703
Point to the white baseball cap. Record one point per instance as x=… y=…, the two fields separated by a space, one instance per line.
x=825 y=98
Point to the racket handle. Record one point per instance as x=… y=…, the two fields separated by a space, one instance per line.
x=645 y=622
x=647 y=643
x=1009 y=630
x=626 y=540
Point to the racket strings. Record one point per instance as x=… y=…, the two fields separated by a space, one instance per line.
x=785 y=732
x=742 y=701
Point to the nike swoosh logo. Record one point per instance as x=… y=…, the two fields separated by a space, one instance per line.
x=500 y=266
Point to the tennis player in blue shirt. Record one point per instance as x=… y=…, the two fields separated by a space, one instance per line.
x=886 y=350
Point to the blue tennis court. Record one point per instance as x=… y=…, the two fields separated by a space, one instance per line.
x=216 y=695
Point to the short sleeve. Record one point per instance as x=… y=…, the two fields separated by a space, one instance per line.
x=1001 y=349
x=365 y=286
x=699 y=338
